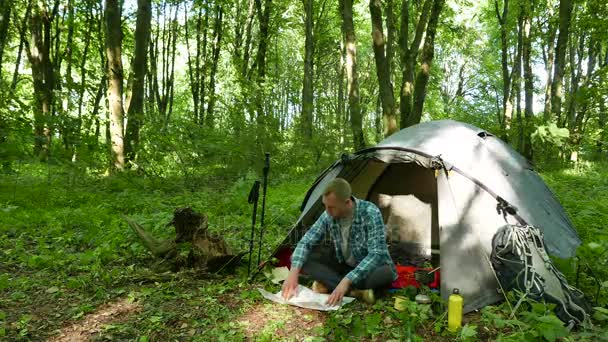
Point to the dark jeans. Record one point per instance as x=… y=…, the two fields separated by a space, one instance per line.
x=323 y=266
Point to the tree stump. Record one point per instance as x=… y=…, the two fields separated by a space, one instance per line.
x=193 y=246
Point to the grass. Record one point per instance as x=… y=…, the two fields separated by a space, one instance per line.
x=67 y=256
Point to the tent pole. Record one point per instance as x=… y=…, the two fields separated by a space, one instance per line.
x=262 y=226
x=254 y=195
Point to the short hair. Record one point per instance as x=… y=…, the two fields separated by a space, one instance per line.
x=340 y=188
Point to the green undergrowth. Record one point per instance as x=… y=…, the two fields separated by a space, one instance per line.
x=66 y=254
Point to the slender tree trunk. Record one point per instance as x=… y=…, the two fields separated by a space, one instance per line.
x=215 y=58
x=575 y=77
x=248 y=37
x=516 y=82
x=66 y=130
x=507 y=105
x=135 y=107
x=22 y=42
x=341 y=110
x=193 y=63
x=549 y=58
x=260 y=63
x=565 y=12
x=115 y=79
x=390 y=39
x=428 y=52
x=83 y=70
x=264 y=20
x=5 y=16
x=528 y=80
x=356 y=118
x=307 y=87
x=409 y=55
x=387 y=96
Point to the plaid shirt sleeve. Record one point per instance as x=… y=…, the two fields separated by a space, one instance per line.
x=313 y=236
x=377 y=250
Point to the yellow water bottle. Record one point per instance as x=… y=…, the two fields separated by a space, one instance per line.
x=455 y=303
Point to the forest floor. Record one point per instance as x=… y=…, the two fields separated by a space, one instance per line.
x=72 y=269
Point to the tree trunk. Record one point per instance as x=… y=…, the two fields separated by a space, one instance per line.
x=215 y=58
x=565 y=12
x=507 y=105
x=115 y=81
x=39 y=50
x=22 y=43
x=409 y=55
x=264 y=19
x=135 y=107
x=516 y=80
x=528 y=80
x=387 y=96
x=428 y=52
x=307 y=87
x=83 y=70
x=549 y=61
x=248 y=37
x=66 y=129
x=356 y=118
x=5 y=16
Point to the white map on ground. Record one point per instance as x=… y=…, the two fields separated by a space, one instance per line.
x=306 y=298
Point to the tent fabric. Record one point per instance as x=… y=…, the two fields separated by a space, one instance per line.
x=423 y=179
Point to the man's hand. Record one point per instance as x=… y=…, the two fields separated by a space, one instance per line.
x=339 y=292
x=290 y=285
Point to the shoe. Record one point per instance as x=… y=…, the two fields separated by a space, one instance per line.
x=366 y=295
x=318 y=287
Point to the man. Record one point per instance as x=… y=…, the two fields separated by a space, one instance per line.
x=359 y=259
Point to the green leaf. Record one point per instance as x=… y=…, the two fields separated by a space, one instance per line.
x=52 y=289
x=549 y=335
x=468 y=331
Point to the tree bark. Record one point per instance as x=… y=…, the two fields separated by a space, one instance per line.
x=248 y=37
x=83 y=70
x=549 y=61
x=385 y=86
x=5 y=16
x=215 y=58
x=408 y=57
x=528 y=80
x=135 y=107
x=264 y=20
x=507 y=104
x=356 y=119
x=39 y=50
x=307 y=87
x=22 y=43
x=115 y=81
x=565 y=12
x=516 y=82
x=428 y=52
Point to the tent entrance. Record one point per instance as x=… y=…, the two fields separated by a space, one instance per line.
x=406 y=194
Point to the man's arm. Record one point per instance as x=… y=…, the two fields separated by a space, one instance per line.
x=313 y=236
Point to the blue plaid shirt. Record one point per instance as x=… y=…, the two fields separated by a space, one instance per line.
x=367 y=241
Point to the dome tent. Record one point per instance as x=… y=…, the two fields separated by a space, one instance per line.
x=449 y=187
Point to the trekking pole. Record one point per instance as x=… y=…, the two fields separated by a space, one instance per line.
x=254 y=195
x=266 y=169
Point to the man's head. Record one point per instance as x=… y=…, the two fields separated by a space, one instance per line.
x=337 y=198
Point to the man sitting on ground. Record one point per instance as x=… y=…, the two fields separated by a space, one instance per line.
x=359 y=259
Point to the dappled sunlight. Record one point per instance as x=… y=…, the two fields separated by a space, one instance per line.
x=281 y=321
x=93 y=324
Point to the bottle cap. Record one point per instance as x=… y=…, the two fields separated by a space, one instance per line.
x=456 y=291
